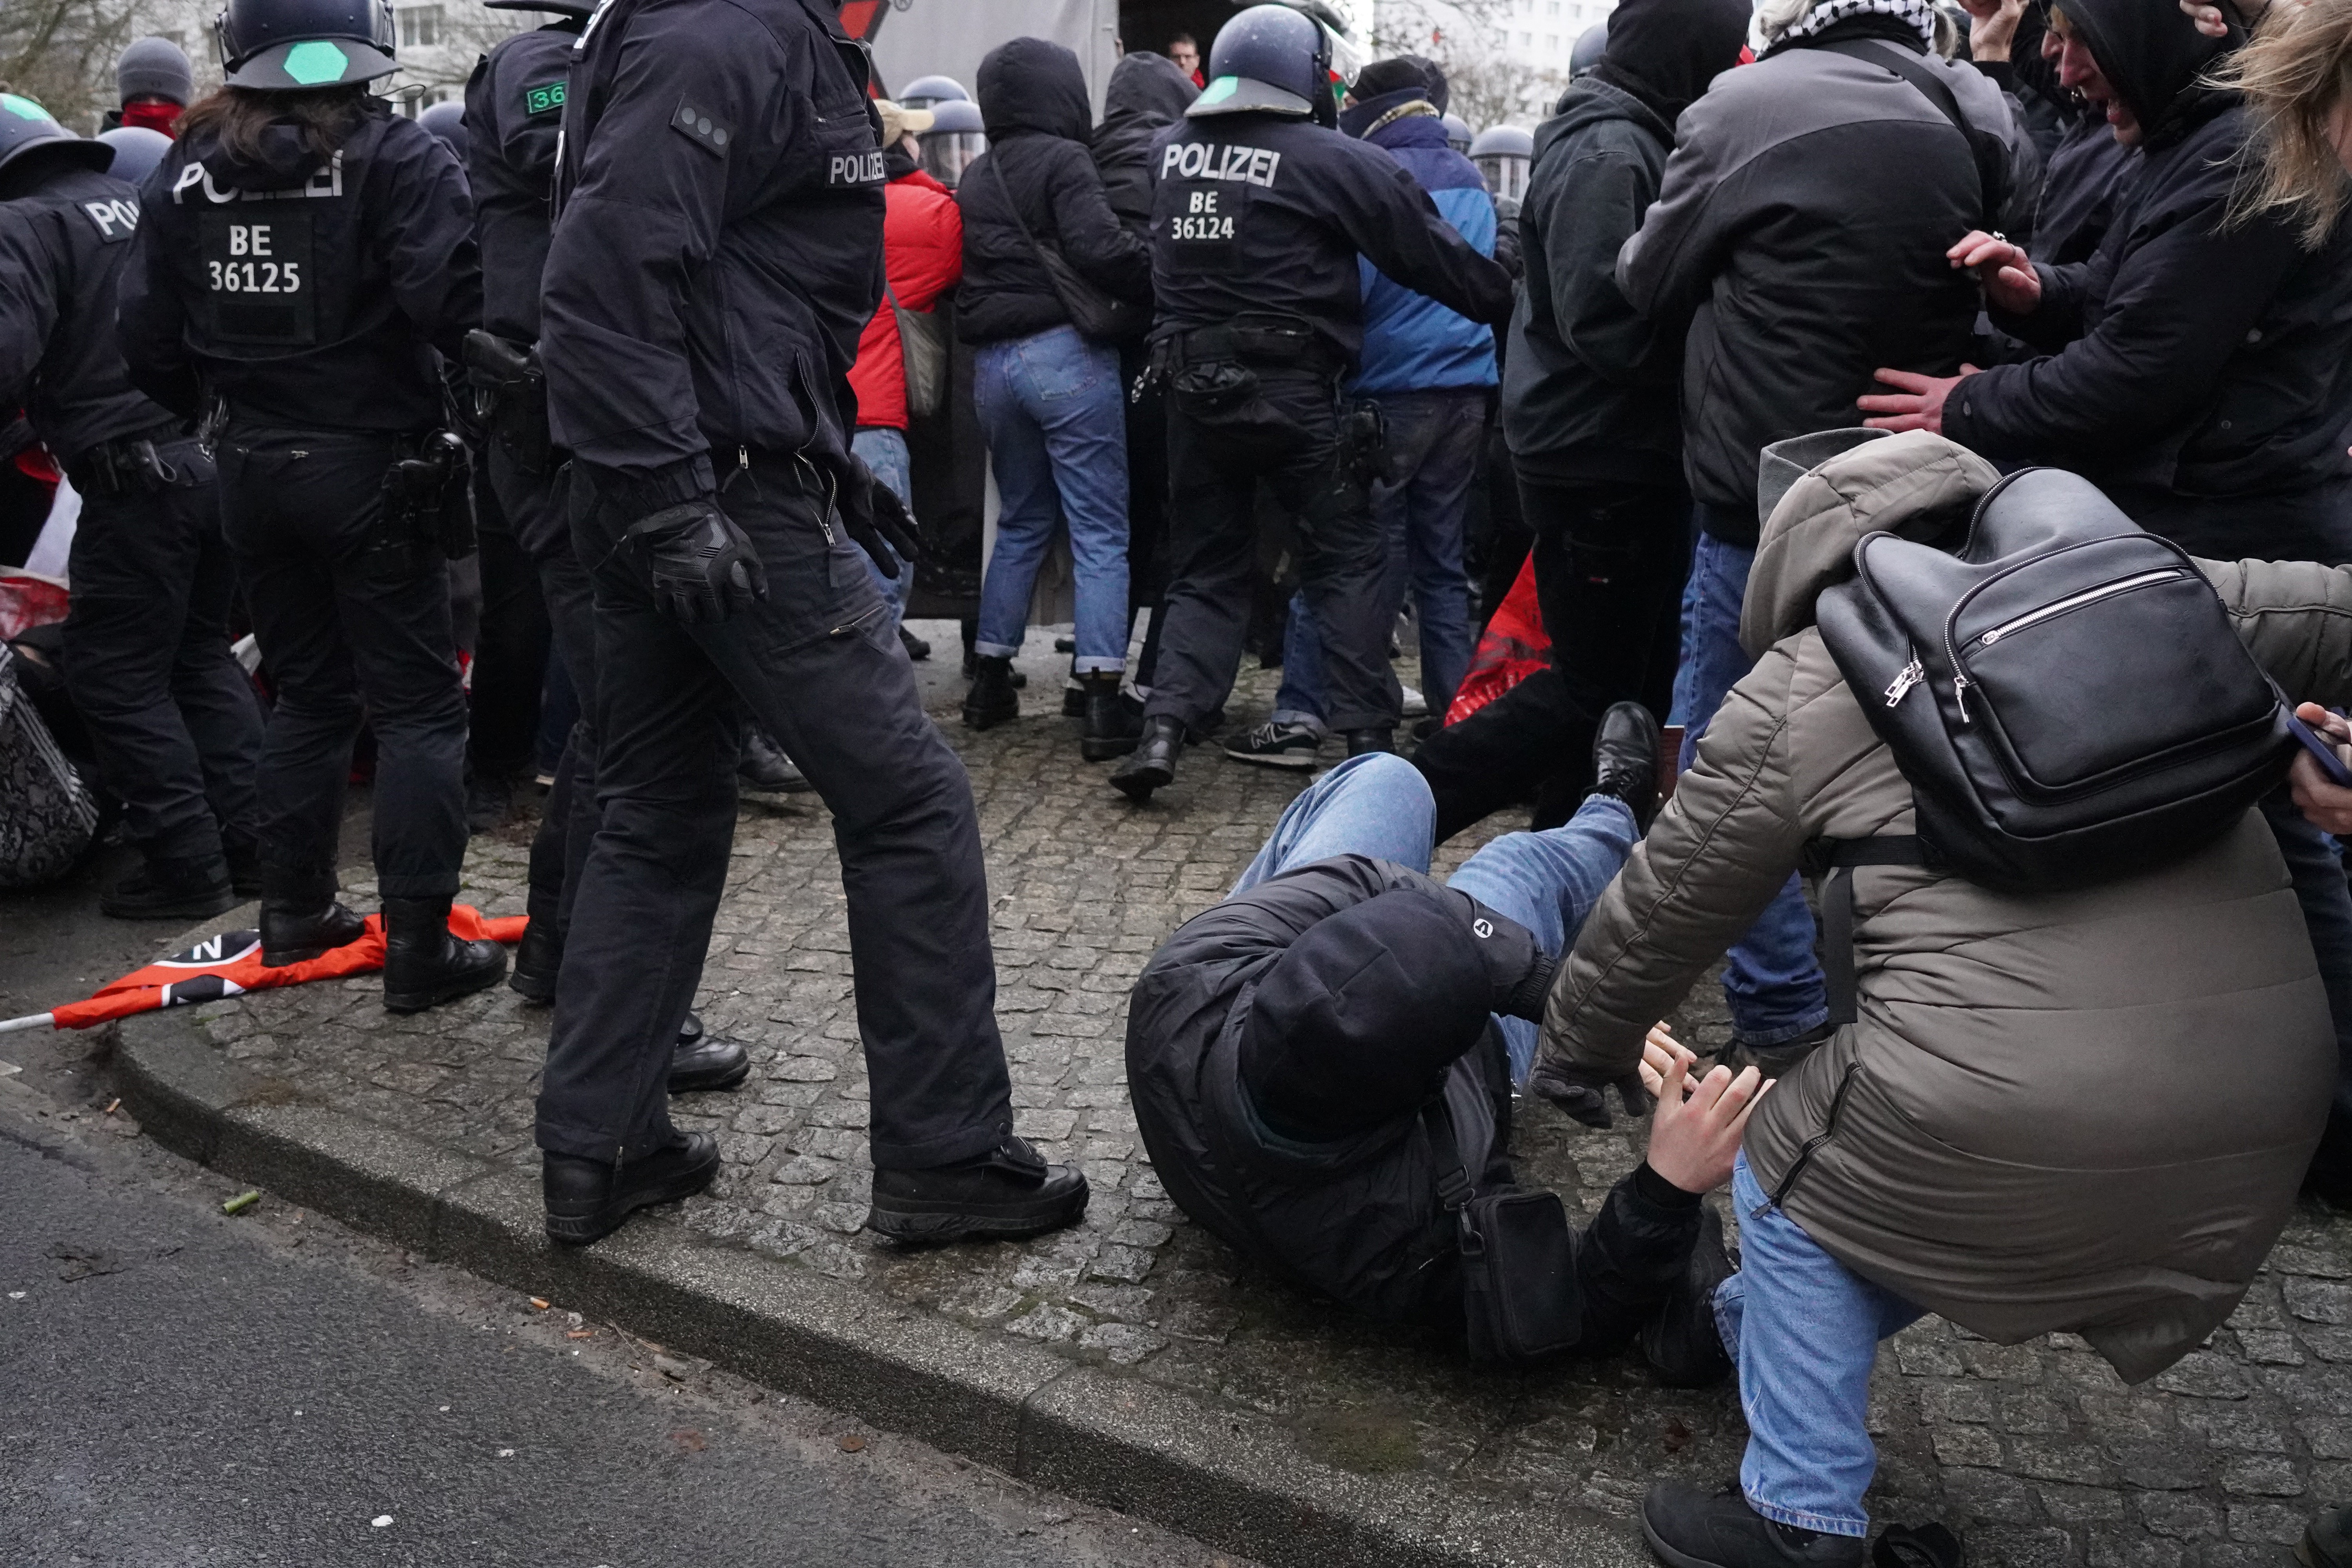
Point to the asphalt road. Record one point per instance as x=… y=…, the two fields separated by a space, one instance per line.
x=178 y=1387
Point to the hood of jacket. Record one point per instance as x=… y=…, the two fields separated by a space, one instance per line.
x=1665 y=52
x=1591 y=100
x=1033 y=87
x=1915 y=484
x=2156 y=68
x=1146 y=95
x=1378 y=117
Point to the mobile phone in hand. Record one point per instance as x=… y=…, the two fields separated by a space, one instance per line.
x=2331 y=759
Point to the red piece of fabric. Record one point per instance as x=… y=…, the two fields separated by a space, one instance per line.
x=28 y=600
x=1513 y=648
x=155 y=114
x=922 y=248
x=229 y=965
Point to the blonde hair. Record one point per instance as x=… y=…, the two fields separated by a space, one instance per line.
x=2295 y=75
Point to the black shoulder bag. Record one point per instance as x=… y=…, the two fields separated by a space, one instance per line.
x=1095 y=312
x=1519 y=1293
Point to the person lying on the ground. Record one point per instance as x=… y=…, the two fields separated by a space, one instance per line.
x=2086 y=1111
x=1286 y=1048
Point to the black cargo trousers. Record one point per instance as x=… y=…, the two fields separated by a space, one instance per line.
x=176 y=723
x=819 y=666
x=353 y=619
x=1286 y=425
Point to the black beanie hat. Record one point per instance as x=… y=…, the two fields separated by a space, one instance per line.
x=1358 y=1021
x=155 y=68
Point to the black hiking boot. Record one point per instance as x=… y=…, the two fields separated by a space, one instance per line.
x=1152 y=764
x=587 y=1199
x=1689 y=1527
x=301 y=919
x=992 y=699
x=1006 y=1194
x=424 y=965
x=172 y=888
x=1625 y=760
x=1681 y=1343
x=761 y=766
x=1111 y=728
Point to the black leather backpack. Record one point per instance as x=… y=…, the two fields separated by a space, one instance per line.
x=2063 y=691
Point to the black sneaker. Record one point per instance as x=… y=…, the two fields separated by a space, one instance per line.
x=172 y=889
x=587 y=1199
x=1006 y=1194
x=1681 y=1343
x=700 y=1063
x=1625 y=760
x=1278 y=745
x=1691 y=1528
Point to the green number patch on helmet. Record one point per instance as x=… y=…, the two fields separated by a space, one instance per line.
x=23 y=108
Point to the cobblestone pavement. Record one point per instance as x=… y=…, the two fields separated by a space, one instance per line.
x=2036 y=1450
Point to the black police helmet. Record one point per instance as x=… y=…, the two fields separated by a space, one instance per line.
x=26 y=128
x=925 y=90
x=1591 y=45
x=574 y=8
x=136 y=152
x=1457 y=131
x=1270 y=60
x=288 y=46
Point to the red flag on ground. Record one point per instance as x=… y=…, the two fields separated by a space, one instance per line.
x=1513 y=648
x=229 y=965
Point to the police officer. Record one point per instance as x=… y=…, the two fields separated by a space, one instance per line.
x=718 y=248
x=1260 y=210
x=302 y=249
x=147 y=660
x=514 y=109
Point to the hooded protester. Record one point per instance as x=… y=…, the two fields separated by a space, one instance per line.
x=2084 y=1111
x=1146 y=95
x=1589 y=411
x=155 y=83
x=1051 y=399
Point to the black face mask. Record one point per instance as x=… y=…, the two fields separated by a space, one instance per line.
x=1665 y=52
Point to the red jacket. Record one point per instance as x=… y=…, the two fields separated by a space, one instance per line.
x=922 y=251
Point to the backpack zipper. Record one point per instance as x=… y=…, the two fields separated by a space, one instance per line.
x=2088 y=596
x=1913 y=674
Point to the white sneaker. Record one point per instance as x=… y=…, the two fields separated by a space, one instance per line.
x=1416 y=706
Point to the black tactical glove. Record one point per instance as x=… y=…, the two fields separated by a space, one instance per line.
x=703 y=566
x=1583 y=1093
x=875 y=516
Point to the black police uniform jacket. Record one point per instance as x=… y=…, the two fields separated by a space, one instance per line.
x=514 y=114
x=1358 y=1221
x=309 y=291
x=1257 y=214
x=718 y=241
x=62 y=246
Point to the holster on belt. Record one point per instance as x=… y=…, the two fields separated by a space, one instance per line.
x=126 y=466
x=429 y=499
x=511 y=392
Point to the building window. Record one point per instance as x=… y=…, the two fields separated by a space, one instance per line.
x=420 y=26
x=1551 y=42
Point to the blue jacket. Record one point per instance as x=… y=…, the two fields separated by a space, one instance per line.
x=1412 y=344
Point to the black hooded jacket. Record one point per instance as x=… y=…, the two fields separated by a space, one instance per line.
x=1357 y=1220
x=64 y=233
x=1039 y=166
x=1589 y=382
x=1146 y=95
x=2191 y=364
x=306 y=290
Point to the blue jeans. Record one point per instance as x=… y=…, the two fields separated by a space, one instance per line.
x=1804 y=1329
x=1770 y=982
x=884 y=450
x=2316 y=864
x=1420 y=503
x=1378 y=805
x=1054 y=409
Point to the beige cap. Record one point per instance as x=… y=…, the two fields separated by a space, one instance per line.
x=897 y=122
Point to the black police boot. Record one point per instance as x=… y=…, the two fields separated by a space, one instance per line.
x=1111 y=728
x=424 y=965
x=172 y=888
x=1690 y=1528
x=1625 y=760
x=1681 y=1343
x=587 y=1199
x=301 y=919
x=1152 y=764
x=762 y=765
x=1004 y=1194
x=992 y=699
x=538 y=958
x=699 y=1061
x=1361 y=742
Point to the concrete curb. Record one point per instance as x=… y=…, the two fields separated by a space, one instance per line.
x=1229 y=1475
